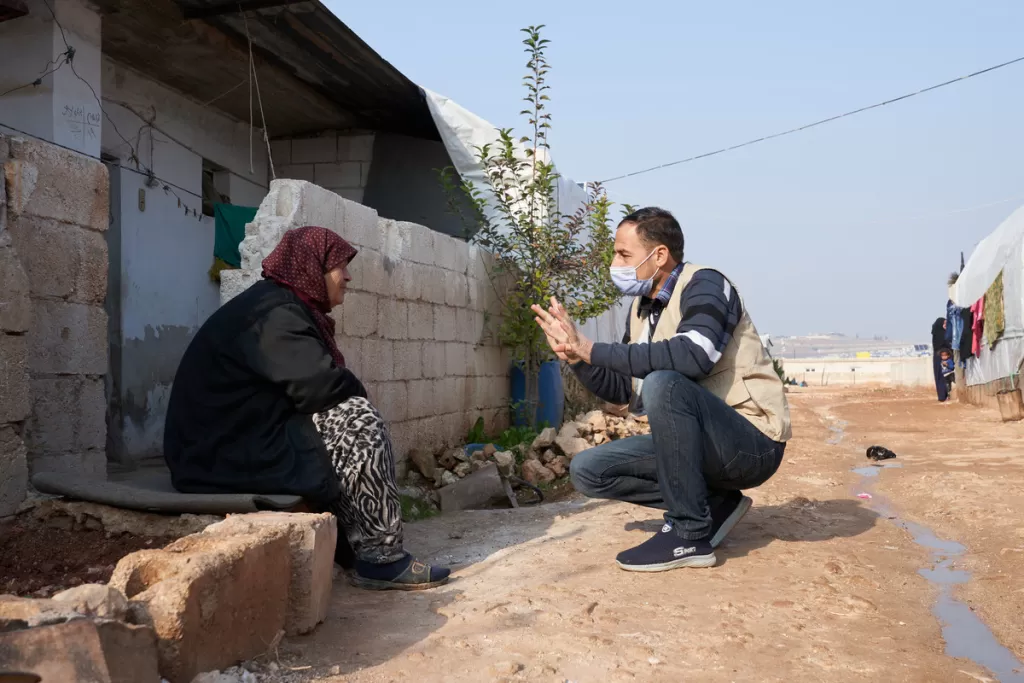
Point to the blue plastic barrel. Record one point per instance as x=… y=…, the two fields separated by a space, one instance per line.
x=550 y=395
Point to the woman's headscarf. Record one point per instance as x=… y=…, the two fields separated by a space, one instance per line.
x=300 y=262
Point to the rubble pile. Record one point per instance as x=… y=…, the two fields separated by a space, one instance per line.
x=543 y=461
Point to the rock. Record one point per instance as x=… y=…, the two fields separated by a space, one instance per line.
x=596 y=420
x=448 y=460
x=198 y=596
x=312 y=539
x=95 y=600
x=548 y=456
x=416 y=480
x=506 y=463
x=83 y=650
x=478 y=456
x=570 y=430
x=544 y=439
x=21 y=613
x=489 y=450
x=571 y=447
x=482 y=489
x=477 y=465
x=462 y=469
x=600 y=438
x=616 y=410
x=423 y=461
x=447 y=478
x=560 y=466
x=535 y=473
x=71 y=515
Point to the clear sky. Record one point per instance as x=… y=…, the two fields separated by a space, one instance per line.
x=843 y=228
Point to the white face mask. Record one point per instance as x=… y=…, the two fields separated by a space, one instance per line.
x=626 y=280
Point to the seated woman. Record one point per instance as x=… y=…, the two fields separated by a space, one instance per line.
x=263 y=403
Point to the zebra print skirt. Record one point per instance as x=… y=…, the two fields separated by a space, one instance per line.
x=368 y=510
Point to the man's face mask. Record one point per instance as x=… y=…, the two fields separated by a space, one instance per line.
x=626 y=280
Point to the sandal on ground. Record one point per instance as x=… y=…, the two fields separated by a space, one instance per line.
x=417 y=576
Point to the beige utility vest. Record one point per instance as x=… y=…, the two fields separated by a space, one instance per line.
x=743 y=377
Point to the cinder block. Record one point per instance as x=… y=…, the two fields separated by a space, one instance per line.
x=421 y=243
x=448 y=399
x=361 y=317
x=305 y=172
x=62 y=261
x=213 y=600
x=353 y=194
x=434 y=359
x=13 y=470
x=431 y=283
x=15 y=306
x=408 y=360
x=319 y=149
x=374 y=275
x=352 y=349
x=475 y=291
x=68 y=338
x=68 y=414
x=470 y=325
x=422 y=402
x=425 y=433
x=456 y=289
x=393 y=320
x=445 y=321
x=85 y=464
x=421 y=321
x=234 y=282
x=50 y=182
x=338 y=174
x=460 y=251
x=402 y=281
x=456 y=359
x=392 y=400
x=361 y=225
x=312 y=539
x=355 y=147
x=378 y=360
x=14 y=383
x=445 y=249
x=281 y=151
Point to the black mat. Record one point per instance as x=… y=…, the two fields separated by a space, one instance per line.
x=152 y=492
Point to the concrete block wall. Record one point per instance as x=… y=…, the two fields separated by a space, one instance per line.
x=418 y=322
x=339 y=162
x=57 y=211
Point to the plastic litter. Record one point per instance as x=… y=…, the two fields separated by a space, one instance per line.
x=864 y=496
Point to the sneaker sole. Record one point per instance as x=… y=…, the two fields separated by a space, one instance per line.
x=375 y=585
x=696 y=561
x=731 y=521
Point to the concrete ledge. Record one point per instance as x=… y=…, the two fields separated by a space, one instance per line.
x=312 y=539
x=212 y=599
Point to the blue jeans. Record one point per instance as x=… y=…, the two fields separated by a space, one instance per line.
x=698 y=450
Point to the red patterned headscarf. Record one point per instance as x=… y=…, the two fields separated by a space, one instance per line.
x=300 y=262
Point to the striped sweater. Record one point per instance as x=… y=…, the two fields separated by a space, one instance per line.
x=710 y=309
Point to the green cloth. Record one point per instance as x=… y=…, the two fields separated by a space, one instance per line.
x=229 y=231
x=995 y=320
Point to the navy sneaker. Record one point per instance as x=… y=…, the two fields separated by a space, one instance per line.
x=664 y=551
x=727 y=515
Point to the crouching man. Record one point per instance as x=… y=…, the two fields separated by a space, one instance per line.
x=693 y=362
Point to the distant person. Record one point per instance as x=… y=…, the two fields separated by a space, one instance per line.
x=692 y=361
x=263 y=403
x=938 y=344
x=948 y=368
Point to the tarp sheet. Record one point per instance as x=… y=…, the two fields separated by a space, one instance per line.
x=1002 y=251
x=229 y=231
x=462 y=132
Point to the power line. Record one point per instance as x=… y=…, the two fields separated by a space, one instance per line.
x=816 y=123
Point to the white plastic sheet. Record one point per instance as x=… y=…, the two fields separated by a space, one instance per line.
x=462 y=132
x=1002 y=250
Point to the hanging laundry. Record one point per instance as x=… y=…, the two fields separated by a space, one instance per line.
x=967 y=334
x=228 y=233
x=995 y=320
x=978 y=326
x=954 y=325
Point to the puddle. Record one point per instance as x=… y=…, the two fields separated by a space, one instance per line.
x=965 y=634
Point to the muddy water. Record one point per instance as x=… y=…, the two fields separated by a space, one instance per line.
x=965 y=634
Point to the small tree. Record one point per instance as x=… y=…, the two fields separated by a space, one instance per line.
x=538 y=252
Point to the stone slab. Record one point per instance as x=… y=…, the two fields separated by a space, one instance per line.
x=312 y=538
x=481 y=489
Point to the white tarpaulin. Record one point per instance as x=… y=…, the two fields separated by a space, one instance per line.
x=462 y=132
x=1002 y=251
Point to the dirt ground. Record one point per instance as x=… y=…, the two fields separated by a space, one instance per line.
x=814 y=585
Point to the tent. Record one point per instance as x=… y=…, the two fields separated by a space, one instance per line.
x=462 y=132
x=1002 y=251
